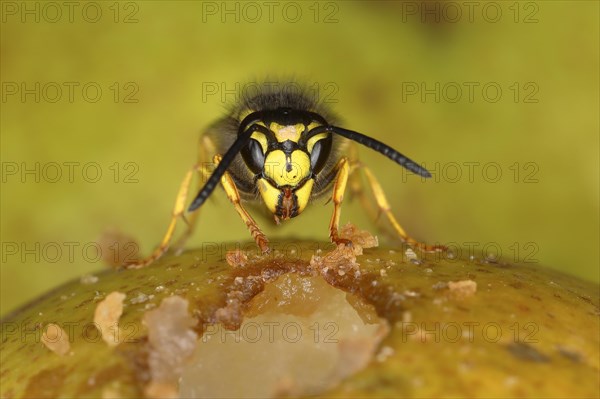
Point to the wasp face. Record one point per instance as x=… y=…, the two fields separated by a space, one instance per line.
x=286 y=154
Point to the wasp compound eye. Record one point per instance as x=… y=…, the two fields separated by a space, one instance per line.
x=320 y=154
x=253 y=156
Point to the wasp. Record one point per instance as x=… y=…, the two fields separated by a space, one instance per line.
x=283 y=148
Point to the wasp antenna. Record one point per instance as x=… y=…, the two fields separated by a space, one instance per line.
x=221 y=168
x=382 y=149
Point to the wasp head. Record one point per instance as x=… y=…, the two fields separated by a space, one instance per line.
x=286 y=159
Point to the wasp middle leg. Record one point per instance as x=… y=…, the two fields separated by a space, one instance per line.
x=344 y=169
x=385 y=208
x=205 y=151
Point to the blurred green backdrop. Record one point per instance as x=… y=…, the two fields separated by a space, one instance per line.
x=499 y=100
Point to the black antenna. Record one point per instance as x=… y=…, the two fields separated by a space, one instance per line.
x=380 y=148
x=221 y=168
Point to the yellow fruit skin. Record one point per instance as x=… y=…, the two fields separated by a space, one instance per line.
x=527 y=331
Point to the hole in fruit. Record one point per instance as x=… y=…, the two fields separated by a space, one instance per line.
x=300 y=336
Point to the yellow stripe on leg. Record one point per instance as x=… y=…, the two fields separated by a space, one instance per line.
x=205 y=167
x=339 y=187
x=191 y=220
x=234 y=196
x=384 y=206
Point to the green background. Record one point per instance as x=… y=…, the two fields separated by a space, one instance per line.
x=361 y=57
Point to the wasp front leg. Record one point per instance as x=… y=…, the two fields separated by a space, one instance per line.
x=234 y=196
x=339 y=187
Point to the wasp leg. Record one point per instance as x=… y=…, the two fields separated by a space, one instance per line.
x=178 y=210
x=339 y=186
x=357 y=190
x=357 y=187
x=234 y=196
x=385 y=208
x=206 y=147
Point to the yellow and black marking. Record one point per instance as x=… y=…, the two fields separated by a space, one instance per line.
x=284 y=149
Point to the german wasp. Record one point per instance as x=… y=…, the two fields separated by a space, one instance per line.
x=283 y=148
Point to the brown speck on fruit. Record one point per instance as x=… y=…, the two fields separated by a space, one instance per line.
x=524 y=351
x=84 y=302
x=342 y=259
x=358 y=237
x=236 y=258
x=572 y=355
